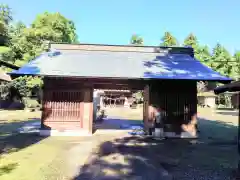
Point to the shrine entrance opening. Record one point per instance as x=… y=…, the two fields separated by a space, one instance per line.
x=118 y=102
x=117 y=98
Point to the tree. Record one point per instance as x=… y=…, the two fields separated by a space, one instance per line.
x=236 y=66
x=53 y=27
x=16 y=41
x=203 y=55
x=221 y=60
x=136 y=40
x=5 y=13
x=191 y=40
x=5 y=18
x=168 y=40
x=201 y=52
x=28 y=42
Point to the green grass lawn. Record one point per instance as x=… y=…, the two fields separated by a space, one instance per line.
x=32 y=161
x=29 y=156
x=25 y=156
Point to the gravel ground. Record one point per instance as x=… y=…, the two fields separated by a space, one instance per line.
x=197 y=165
x=124 y=158
x=138 y=158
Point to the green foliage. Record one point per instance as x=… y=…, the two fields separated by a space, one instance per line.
x=25 y=84
x=168 y=40
x=6 y=54
x=34 y=82
x=4 y=90
x=5 y=13
x=54 y=27
x=29 y=42
x=17 y=41
x=5 y=19
x=3 y=28
x=30 y=103
x=236 y=66
x=191 y=40
x=25 y=43
x=136 y=40
x=221 y=60
x=21 y=85
x=202 y=53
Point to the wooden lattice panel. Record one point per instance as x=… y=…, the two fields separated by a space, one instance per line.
x=178 y=99
x=63 y=108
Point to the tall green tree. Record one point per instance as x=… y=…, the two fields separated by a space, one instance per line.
x=27 y=43
x=221 y=60
x=5 y=13
x=17 y=42
x=168 y=40
x=203 y=55
x=136 y=40
x=191 y=40
x=5 y=18
x=54 y=27
x=236 y=66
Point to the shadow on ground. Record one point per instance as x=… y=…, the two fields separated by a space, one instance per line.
x=16 y=142
x=11 y=140
x=12 y=127
x=8 y=168
x=212 y=156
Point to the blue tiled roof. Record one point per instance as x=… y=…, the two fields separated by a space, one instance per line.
x=132 y=65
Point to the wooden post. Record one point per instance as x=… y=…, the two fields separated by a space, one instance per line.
x=145 y=105
x=88 y=109
x=43 y=104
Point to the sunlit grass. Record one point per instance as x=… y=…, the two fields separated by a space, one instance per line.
x=32 y=162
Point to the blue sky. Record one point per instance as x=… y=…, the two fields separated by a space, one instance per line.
x=113 y=22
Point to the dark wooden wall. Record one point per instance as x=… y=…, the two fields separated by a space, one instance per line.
x=178 y=98
x=67 y=104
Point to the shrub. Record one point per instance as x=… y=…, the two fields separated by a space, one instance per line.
x=31 y=103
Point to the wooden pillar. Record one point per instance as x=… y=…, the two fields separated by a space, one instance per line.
x=87 y=115
x=42 y=104
x=145 y=105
